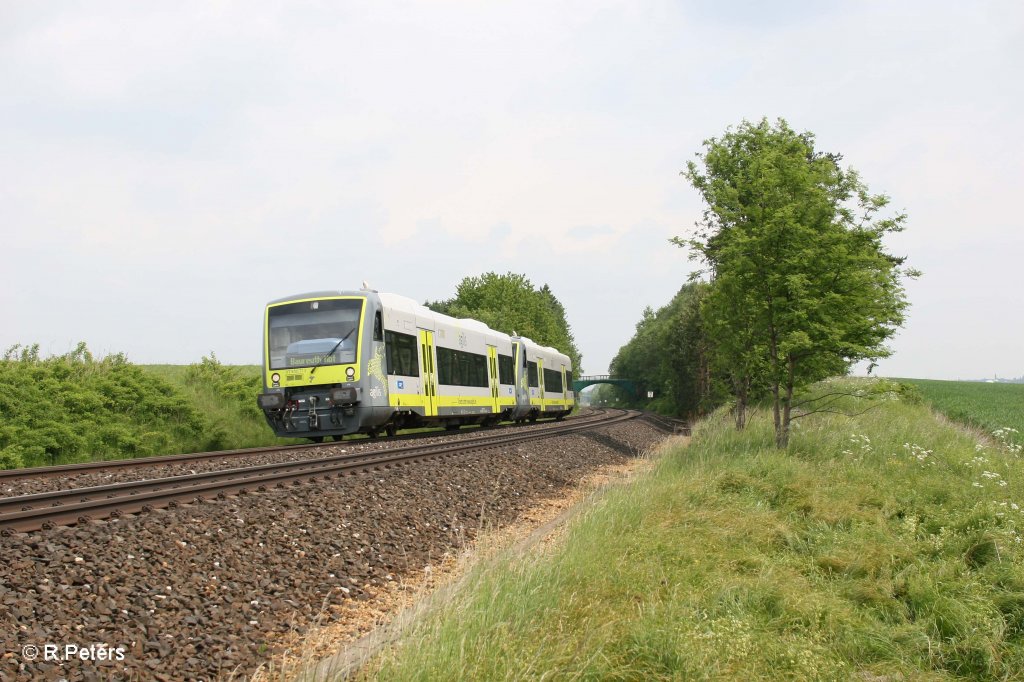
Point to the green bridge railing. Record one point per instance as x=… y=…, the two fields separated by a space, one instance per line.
x=584 y=381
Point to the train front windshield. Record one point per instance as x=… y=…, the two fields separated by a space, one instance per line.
x=314 y=333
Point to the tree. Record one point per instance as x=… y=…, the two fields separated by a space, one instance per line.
x=510 y=303
x=668 y=354
x=801 y=286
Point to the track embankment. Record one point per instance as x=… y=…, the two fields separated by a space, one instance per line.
x=49 y=509
x=208 y=590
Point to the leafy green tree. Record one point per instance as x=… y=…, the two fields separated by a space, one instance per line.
x=801 y=284
x=510 y=303
x=639 y=360
x=733 y=345
x=669 y=355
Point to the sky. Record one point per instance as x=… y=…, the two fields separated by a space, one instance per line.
x=168 y=168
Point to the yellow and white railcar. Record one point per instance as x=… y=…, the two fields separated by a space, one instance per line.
x=344 y=362
x=545 y=381
x=445 y=369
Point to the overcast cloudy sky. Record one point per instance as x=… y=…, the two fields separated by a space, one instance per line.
x=167 y=168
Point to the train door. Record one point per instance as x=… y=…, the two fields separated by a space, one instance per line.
x=428 y=373
x=565 y=385
x=492 y=365
x=522 y=387
x=540 y=382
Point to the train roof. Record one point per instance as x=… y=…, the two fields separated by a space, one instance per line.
x=408 y=305
x=411 y=306
x=547 y=349
x=316 y=294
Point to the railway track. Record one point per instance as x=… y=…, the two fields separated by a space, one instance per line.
x=26 y=513
x=120 y=464
x=666 y=424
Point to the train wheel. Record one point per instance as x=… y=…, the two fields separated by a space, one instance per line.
x=532 y=417
x=452 y=427
x=317 y=439
x=392 y=430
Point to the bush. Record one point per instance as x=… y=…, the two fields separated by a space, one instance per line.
x=74 y=407
x=10 y=458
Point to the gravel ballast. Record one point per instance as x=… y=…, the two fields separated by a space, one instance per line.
x=150 y=470
x=208 y=590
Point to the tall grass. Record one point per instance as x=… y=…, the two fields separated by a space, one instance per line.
x=226 y=396
x=886 y=546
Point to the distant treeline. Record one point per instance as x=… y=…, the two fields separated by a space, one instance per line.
x=997 y=380
x=669 y=356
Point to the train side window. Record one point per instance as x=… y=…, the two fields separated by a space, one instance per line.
x=401 y=354
x=531 y=370
x=378 y=328
x=459 y=368
x=552 y=381
x=506 y=371
x=445 y=376
x=479 y=363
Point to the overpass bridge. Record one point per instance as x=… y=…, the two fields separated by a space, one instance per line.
x=628 y=384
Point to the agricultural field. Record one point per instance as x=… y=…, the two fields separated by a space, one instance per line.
x=997 y=409
x=886 y=545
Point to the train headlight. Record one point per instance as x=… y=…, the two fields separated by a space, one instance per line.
x=270 y=401
x=350 y=372
x=344 y=395
x=275 y=377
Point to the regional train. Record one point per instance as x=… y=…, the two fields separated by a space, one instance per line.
x=342 y=362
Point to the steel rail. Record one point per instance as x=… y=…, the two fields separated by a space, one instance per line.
x=60 y=497
x=59 y=508
x=666 y=424
x=104 y=465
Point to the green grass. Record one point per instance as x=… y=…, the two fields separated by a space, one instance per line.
x=989 y=407
x=885 y=546
x=226 y=396
x=178 y=373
